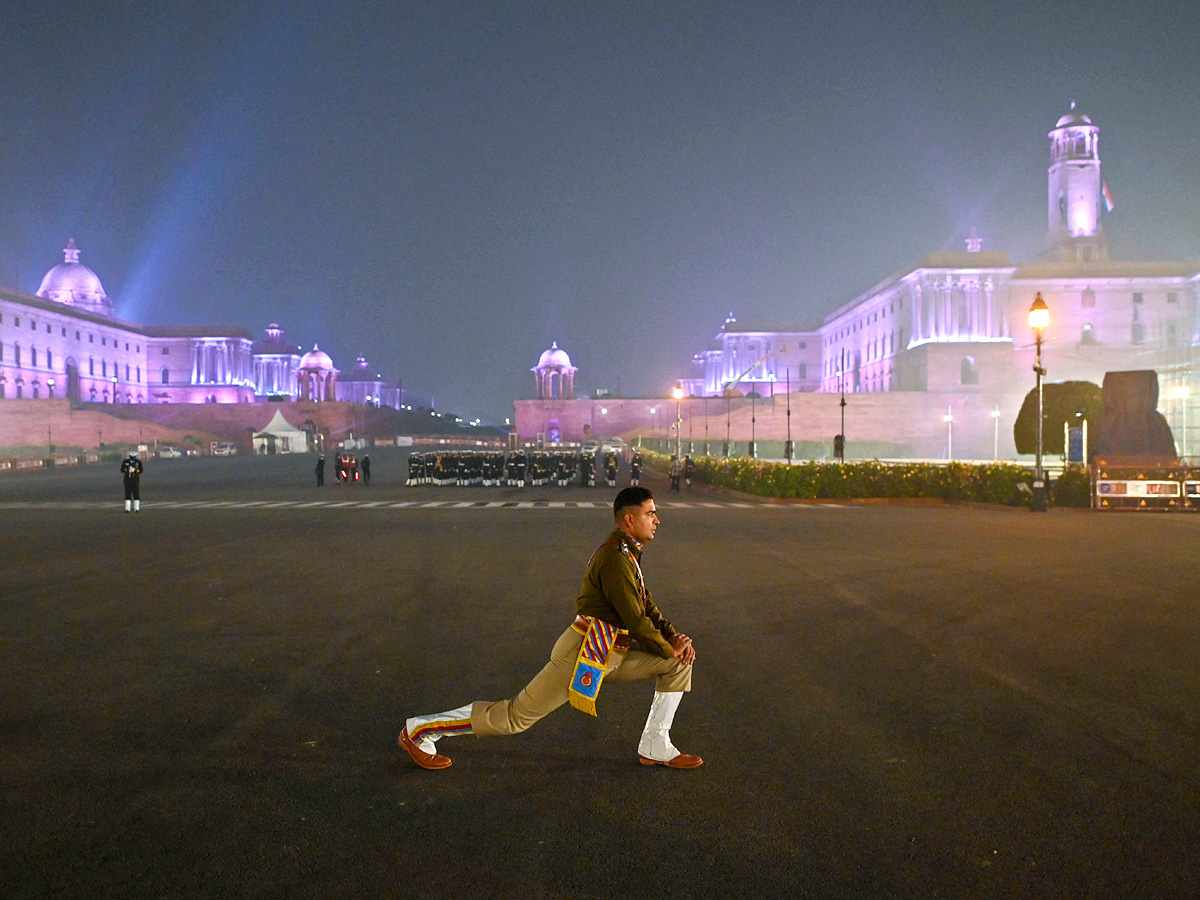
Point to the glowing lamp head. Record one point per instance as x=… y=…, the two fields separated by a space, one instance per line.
x=678 y=392
x=1039 y=314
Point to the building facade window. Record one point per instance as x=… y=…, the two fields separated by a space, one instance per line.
x=166 y=376
x=91 y=366
x=969 y=371
x=33 y=357
x=49 y=359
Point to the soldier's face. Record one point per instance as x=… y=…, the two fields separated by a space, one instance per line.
x=641 y=522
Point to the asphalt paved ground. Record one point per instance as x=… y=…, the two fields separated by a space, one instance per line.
x=892 y=701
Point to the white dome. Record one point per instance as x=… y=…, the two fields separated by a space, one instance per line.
x=73 y=282
x=316 y=359
x=1074 y=117
x=554 y=357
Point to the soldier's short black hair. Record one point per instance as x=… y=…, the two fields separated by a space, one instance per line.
x=630 y=496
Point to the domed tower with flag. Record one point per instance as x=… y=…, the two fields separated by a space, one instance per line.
x=1076 y=191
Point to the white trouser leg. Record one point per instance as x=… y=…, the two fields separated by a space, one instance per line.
x=426 y=730
x=137 y=505
x=128 y=505
x=656 y=736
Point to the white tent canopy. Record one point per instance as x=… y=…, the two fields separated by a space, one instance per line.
x=280 y=436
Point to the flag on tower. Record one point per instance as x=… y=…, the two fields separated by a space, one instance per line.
x=1108 y=200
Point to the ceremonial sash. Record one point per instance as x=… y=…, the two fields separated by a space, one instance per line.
x=591 y=664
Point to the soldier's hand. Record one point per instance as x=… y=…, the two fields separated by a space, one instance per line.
x=684 y=650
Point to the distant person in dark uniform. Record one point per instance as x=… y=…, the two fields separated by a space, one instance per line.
x=365 y=465
x=635 y=469
x=131 y=475
x=676 y=472
x=689 y=469
x=320 y=470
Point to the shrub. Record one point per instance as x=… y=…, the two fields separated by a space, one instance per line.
x=986 y=483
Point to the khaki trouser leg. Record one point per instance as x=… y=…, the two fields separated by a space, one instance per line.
x=548 y=689
x=544 y=694
x=673 y=675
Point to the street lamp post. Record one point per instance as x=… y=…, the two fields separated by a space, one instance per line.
x=1039 y=318
x=678 y=419
x=691 y=443
x=788 y=448
x=948 y=418
x=839 y=445
x=996 y=434
x=753 y=451
x=727 y=402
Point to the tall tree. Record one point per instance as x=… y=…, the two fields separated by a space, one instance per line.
x=1069 y=401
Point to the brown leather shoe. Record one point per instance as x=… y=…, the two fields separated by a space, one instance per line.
x=682 y=761
x=420 y=757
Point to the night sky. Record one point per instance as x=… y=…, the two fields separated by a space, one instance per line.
x=447 y=187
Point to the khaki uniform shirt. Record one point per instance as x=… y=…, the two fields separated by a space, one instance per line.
x=613 y=593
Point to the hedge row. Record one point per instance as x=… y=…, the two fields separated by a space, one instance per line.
x=988 y=483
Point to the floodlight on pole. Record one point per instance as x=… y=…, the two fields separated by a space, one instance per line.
x=1181 y=394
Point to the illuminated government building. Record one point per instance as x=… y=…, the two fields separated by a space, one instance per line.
x=946 y=340
x=65 y=342
x=958 y=322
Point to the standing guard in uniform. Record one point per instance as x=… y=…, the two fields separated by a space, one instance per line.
x=366 y=468
x=689 y=469
x=676 y=472
x=614 y=607
x=635 y=469
x=320 y=470
x=519 y=465
x=131 y=475
x=610 y=469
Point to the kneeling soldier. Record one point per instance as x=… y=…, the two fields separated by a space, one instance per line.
x=613 y=608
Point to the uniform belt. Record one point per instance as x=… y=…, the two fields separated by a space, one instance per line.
x=621 y=642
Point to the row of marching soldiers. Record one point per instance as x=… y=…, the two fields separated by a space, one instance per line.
x=519 y=468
